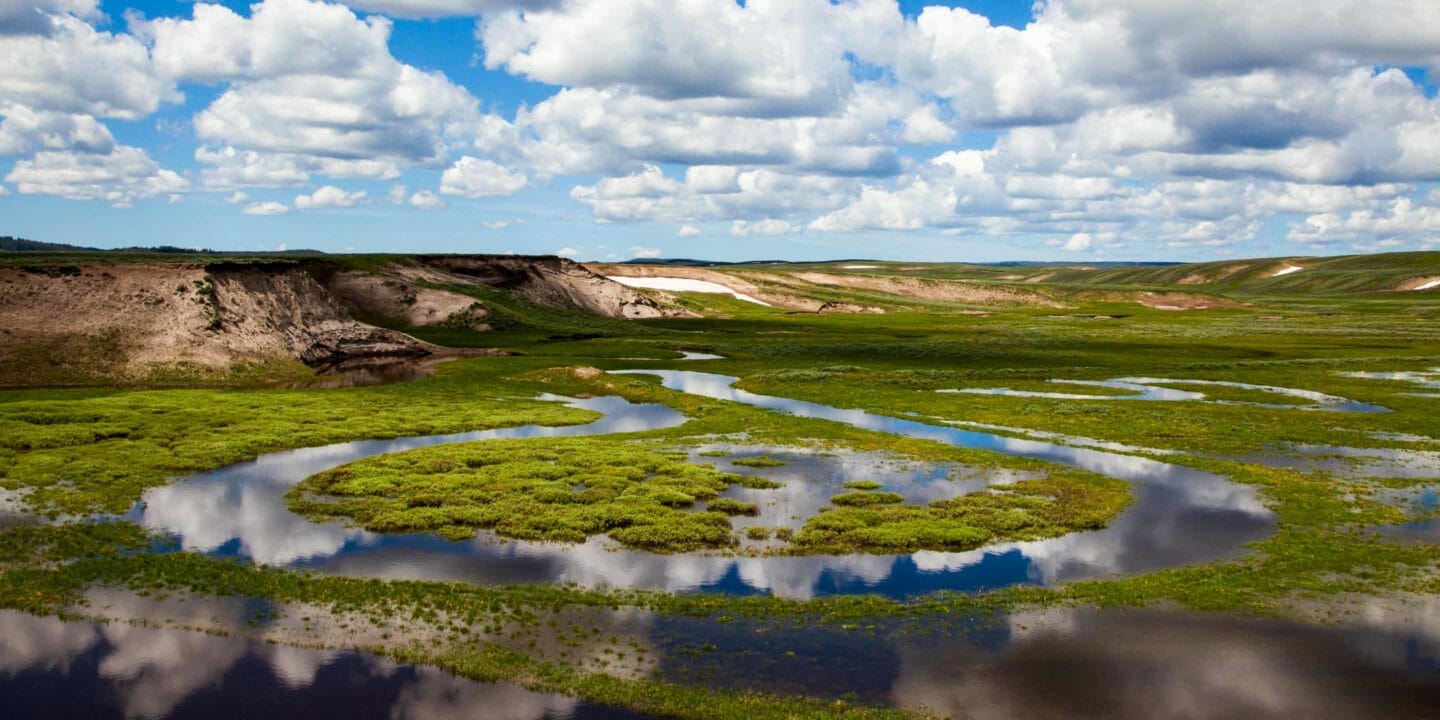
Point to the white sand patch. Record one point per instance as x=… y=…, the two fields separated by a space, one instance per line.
x=674 y=284
x=859 y=267
x=1428 y=285
x=1288 y=269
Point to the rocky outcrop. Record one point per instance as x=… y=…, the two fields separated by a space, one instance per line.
x=130 y=317
x=552 y=282
x=395 y=298
x=773 y=292
x=281 y=308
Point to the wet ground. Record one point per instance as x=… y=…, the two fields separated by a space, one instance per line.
x=1180 y=515
x=1060 y=663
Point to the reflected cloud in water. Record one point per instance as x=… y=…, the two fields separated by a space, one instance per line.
x=50 y=668
x=1150 y=389
x=1180 y=515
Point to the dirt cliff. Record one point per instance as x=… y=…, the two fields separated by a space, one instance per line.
x=552 y=282
x=129 y=318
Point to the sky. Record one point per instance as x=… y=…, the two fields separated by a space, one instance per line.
x=977 y=130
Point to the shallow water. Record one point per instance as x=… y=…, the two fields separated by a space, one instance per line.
x=1428 y=379
x=52 y=669
x=1354 y=462
x=1069 y=663
x=1179 y=516
x=373 y=371
x=1150 y=389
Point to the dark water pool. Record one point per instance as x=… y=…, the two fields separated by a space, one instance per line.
x=1082 y=663
x=50 y=669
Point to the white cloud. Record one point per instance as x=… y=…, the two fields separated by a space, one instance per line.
x=495 y=224
x=237 y=197
x=328 y=196
x=476 y=178
x=120 y=177
x=396 y=194
x=638 y=251
x=1401 y=222
x=1078 y=242
x=312 y=83
x=414 y=9
x=743 y=228
x=567 y=252
x=426 y=200
x=265 y=208
x=690 y=231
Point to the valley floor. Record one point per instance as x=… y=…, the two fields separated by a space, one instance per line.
x=1090 y=510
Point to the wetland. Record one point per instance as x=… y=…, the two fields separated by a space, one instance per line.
x=713 y=514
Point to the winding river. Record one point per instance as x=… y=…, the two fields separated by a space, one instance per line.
x=1180 y=515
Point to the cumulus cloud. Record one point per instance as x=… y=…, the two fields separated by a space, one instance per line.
x=329 y=196
x=689 y=231
x=310 y=87
x=567 y=252
x=769 y=226
x=1180 y=124
x=120 y=177
x=426 y=200
x=476 y=178
x=638 y=251
x=266 y=208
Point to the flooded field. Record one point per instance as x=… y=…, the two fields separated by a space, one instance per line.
x=762 y=516
x=55 y=669
x=1180 y=515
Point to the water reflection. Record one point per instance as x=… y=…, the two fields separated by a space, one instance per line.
x=1426 y=379
x=1084 y=663
x=1180 y=515
x=363 y=372
x=1354 y=462
x=1069 y=662
x=1150 y=389
x=50 y=669
x=240 y=510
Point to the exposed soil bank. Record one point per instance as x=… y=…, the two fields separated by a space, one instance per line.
x=156 y=320
x=131 y=319
x=550 y=281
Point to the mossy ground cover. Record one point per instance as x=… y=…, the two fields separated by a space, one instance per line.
x=83 y=450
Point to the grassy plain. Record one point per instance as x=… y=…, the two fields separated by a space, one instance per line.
x=82 y=451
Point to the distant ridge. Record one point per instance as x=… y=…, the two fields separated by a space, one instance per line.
x=690 y=262
x=14 y=244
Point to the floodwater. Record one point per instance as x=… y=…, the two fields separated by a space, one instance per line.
x=53 y=669
x=1085 y=663
x=1150 y=389
x=373 y=371
x=1179 y=516
x=1426 y=379
x=1057 y=663
x=1354 y=462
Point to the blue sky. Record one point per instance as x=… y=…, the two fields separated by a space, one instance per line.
x=985 y=130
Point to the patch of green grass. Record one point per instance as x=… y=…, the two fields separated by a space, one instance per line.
x=82 y=451
x=866 y=521
x=759 y=462
x=552 y=489
x=731 y=506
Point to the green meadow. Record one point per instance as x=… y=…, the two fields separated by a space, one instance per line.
x=74 y=461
